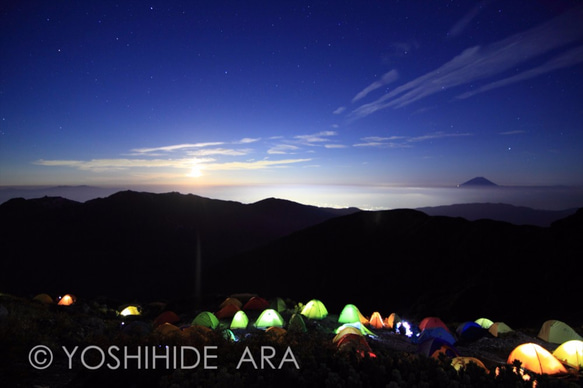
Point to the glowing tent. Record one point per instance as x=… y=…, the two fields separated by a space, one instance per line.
x=314 y=309
x=392 y=320
x=362 y=328
x=346 y=330
x=206 y=319
x=67 y=300
x=239 y=321
x=484 y=322
x=131 y=310
x=349 y=314
x=269 y=318
x=376 y=320
x=557 y=332
x=434 y=347
x=570 y=353
x=536 y=359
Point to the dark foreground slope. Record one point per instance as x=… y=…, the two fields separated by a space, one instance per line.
x=408 y=262
x=134 y=245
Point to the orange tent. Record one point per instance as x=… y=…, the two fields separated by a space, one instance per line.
x=67 y=300
x=536 y=359
x=376 y=321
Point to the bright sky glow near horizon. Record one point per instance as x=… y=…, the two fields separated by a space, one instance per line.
x=287 y=97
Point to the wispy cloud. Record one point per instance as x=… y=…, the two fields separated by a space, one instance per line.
x=509 y=133
x=458 y=28
x=175 y=147
x=387 y=78
x=480 y=63
x=403 y=141
x=320 y=137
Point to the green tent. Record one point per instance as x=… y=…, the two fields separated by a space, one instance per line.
x=206 y=319
x=557 y=332
x=297 y=324
x=269 y=318
x=240 y=320
x=349 y=314
x=484 y=322
x=315 y=309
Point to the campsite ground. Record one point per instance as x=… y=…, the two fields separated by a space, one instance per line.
x=314 y=359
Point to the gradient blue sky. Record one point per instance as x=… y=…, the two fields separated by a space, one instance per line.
x=302 y=93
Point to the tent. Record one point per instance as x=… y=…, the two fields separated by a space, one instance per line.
x=460 y=363
x=436 y=332
x=227 y=311
x=536 y=359
x=166 y=317
x=498 y=328
x=432 y=322
x=167 y=330
x=484 y=322
x=471 y=331
x=354 y=343
x=206 y=319
x=231 y=300
x=278 y=304
x=344 y=331
x=362 y=328
x=570 y=353
x=557 y=332
x=44 y=298
x=314 y=309
x=256 y=303
x=269 y=318
x=376 y=320
x=239 y=321
x=349 y=314
x=434 y=347
x=131 y=310
x=67 y=300
x=296 y=324
x=392 y=320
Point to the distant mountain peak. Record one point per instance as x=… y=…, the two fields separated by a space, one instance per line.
x=478 y=181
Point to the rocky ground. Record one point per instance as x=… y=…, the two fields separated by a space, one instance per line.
x=314 y=359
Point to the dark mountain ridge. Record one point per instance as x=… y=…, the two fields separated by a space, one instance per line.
x=479 y=181
x=143 y=246
x=133 y=243
x=407 y=262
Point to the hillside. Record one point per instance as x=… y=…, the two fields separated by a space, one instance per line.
x=133 y=244
x=412 y=263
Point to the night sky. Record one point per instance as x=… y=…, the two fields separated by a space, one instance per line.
x=285 y=98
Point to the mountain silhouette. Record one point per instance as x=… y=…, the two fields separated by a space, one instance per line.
x=407 y=262
x=478 y=182
x=135 y=244
x=143 y=246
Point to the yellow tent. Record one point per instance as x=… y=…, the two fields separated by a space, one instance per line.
x=536 y=359
x=557 y=332
x=131 y=310
x=67 y=300
x=570 y=353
